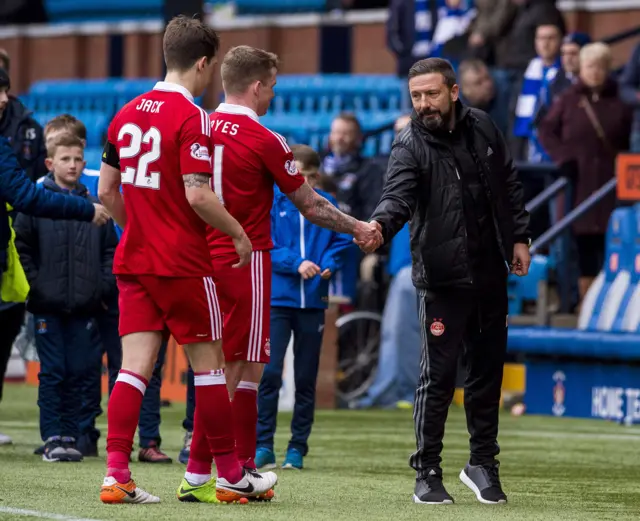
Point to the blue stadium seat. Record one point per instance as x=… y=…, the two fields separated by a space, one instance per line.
x=75 y=10
x=521 y=289
x=279 y=6
x=610 y=312
x=93 y=157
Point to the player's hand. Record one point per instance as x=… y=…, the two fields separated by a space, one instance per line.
x=308 y=269
x=368 y=236
x=326 y=274
x=243 y=248
x=521 y=260
x=100 y=216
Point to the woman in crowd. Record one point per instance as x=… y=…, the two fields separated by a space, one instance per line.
x=583 y=132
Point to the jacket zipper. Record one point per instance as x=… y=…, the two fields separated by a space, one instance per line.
x=466 y=237
x=303 y=254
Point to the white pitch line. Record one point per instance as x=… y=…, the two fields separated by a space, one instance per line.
x=42 y=515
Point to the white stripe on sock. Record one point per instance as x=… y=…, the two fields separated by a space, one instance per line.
x=248 y=386
x=195 y=480
x=133 y=381
x=213 y=378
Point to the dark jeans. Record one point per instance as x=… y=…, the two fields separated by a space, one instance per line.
x=187 y=424
x=306 y=325
x=109 y=343
x=453 y=317
x=11 y=320
x=66 y=348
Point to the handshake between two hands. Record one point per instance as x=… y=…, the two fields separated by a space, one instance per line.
x=368 y=236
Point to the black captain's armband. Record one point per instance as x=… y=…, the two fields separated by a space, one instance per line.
x=110 y=155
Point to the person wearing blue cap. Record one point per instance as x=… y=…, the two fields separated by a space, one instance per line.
x=570 y=57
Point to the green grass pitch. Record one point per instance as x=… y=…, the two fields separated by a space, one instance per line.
x=552 y=468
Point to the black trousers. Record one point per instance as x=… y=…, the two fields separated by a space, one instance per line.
x=474 y=318
x=11 y=320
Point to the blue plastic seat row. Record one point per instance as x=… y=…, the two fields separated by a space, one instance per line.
x=610 y=312
x=76 y=10
x=97 y=124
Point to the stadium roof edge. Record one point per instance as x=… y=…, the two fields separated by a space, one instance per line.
x=294 y=20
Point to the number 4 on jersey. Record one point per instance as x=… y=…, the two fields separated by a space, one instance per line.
x=140 y=176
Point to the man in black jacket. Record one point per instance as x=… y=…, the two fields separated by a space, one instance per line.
x=69 y=268
x=450 y=173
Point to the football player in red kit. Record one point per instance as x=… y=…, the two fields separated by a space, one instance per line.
x=159 y=148
x=247 y=159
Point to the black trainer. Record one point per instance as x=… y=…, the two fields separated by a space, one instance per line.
x=484 y=481
x=430 y=490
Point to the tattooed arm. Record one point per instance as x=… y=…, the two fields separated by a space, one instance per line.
x=320 y=211
x=209 y=208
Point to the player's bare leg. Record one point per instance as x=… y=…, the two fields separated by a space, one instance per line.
x=139 y=354
x=214 y=423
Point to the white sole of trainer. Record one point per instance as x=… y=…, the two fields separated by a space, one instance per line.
x=417 y=500
x=473 y=487
x=268 y=466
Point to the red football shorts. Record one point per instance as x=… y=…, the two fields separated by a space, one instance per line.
x=186 y=306
x=245 y=299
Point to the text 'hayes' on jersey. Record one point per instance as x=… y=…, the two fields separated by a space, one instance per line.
x=247 y=159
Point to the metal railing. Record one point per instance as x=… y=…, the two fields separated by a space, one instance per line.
x=564 y=223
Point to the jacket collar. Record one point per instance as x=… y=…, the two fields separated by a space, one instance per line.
x=50 y=184
x=462 y=114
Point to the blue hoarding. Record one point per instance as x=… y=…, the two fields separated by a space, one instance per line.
x=573 y=389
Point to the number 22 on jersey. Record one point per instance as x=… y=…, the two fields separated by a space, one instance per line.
x=141 y=176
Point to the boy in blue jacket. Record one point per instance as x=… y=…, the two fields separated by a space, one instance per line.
x=304 y=258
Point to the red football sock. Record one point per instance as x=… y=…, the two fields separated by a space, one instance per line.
x=122 y=419
x=245 y=420
x=200 y=457
x=213 y=412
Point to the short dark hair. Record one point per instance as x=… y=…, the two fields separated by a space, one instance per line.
x=63 y=140
x=434 y=66
x=244 y=65
x=350 y=117
x=66 y=122
x=471 y=65
x=5 y=60
x=551 y=22
x=306 y=155
x=186 y=40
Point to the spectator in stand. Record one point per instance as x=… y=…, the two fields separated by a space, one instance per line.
x=570 y=59
x=452 y=31
x=517 y=47
x=68 y=265
x=19 y=194
x=630 y=94
x=410 y=29
x=583 y=132
x=107 y=319
x=534 y=93
x=359 y=183
x=490 y=27
x=479 y=90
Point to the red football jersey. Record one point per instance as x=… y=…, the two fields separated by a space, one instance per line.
x=161 y=136
x=247 y=159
